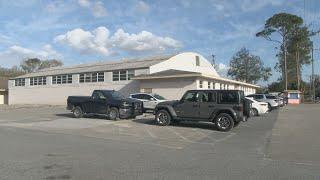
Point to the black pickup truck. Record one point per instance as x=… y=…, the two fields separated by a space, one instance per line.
x=225 y=108
x=105 y=102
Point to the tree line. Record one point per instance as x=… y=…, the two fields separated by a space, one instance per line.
x=28 y=66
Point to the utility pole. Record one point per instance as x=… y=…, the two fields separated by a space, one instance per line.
x=312 y=71
x=285 y=64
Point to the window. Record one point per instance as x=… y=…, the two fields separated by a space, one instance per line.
x=91 y=77
x=209 y=85
x=98 y=95
x=122 y=75
x=62 y=79
x=130 y=74
x=228 y=97
x=35 y=81
x=197 y=61
x=190 y=97
x=200 y=84
x=19 y=82
x=207 y=96
x=146 y=90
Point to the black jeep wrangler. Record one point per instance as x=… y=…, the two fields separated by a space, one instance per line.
x=225 y=108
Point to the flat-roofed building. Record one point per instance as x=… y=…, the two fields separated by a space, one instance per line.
x=169 y=76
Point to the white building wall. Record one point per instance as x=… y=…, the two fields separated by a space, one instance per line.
x=57 y=94
x=171 y=89
x=185 y=62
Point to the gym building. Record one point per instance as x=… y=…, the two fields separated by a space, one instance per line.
x=169 y=76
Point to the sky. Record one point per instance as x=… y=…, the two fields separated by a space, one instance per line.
x=84 y=31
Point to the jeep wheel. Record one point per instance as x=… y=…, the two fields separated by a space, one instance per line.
x=77 y=112
x=224 y=122
x=113 y=114
x=163 y=118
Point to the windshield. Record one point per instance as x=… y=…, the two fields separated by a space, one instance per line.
x=271 y=97
x=117 y=95
x=159 y=97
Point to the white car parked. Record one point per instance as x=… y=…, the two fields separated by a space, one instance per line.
x=258 y=108
x=149 y=100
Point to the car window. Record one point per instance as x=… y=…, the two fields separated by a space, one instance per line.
x=190 y=97
x=137 y=96
x=228 y=97
x=98 y=95
x=271 y=97
x=159 y=97
x=147 y=97
x=207 y=96
x=258 y=97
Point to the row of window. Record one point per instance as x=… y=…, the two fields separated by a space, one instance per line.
x=35 y=81
x=211 y=85
x=91 y=77
x=62 y=79
x=122 y=75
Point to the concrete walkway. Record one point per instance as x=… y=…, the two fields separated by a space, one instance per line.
x=296 y=135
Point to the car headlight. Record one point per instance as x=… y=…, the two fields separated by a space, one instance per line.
x=126 y=104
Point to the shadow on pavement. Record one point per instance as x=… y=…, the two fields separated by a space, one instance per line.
x=185 y=124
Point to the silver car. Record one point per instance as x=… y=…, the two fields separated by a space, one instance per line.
x=272 y=101
x=149 y=100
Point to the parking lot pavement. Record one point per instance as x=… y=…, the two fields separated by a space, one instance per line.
x=295 y=136
x=46 y=143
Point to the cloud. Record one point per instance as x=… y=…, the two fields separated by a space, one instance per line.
x=97 y=8
x=255 y=5
x=99 y=41
x=84 y=3
x=222 y=69
x=142 y=7
x=15 y=54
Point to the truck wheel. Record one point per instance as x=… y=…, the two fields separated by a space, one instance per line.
x=224 y=122
x=77 y=112
x=254 y=112
x=163 y=118
x=113 y=114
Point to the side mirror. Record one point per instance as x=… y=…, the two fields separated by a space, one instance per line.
x=153 y=99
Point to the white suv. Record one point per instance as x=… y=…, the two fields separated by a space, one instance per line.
x=149 y=100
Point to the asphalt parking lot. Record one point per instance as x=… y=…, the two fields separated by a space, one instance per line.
x=45 y=142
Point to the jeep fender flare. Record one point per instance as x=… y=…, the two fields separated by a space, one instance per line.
x=170 y=109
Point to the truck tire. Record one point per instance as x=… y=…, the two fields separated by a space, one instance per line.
x=224 y=122
x=77 y=112
x=163 y=118
x=254 y=112
x=113 y=114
